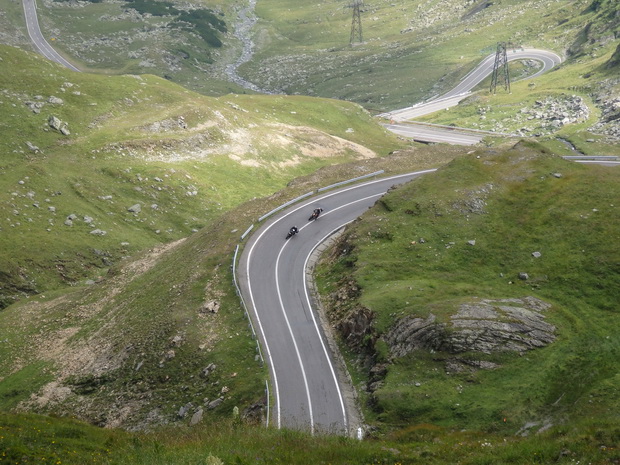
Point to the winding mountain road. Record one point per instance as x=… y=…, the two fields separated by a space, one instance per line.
x=305 y=383
x=36 y=36
x=400 y=120
x=309 y=386
x=471 y=80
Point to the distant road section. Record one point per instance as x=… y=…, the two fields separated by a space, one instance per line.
x=471 y=80
x=36 y=36
x=424 y=133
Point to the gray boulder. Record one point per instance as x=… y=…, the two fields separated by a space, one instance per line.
x=182 y=413
x=32 y=147
x=215 y=403
x=54 y=123
x=196 y=417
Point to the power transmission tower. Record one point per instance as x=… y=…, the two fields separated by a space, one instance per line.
x=501 y=61
x=356 y=24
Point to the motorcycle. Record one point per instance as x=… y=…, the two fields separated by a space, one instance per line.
x=315 y=214
x=292 y=232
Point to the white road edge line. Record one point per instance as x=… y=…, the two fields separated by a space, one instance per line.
x=276 y=390
x=316 y=326
x=290 y=331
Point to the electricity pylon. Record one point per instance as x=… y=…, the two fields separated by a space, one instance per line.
x=501 y=61
x=356 y=24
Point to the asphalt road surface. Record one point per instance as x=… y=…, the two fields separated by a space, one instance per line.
x=306 y=390
x=36 y=36
x=426 y=133
x=471 y=80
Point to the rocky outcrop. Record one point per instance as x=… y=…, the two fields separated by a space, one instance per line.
x=554 y=112
x=356 y=327
x=614 y=61
x=485 y=325
x=608 y=102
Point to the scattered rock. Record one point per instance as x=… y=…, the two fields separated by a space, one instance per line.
x=212 y=306
x=98 y=232
x=182 y=413
x=196 y=417
x=208 y=370
x=536 y=255
x=524 y=276
x=35 y=106
x=33 y=147
x=135 y=208
x=254 y=413
x=215 y=403
x=55 y=100
x=472 y=242
x=54 y=123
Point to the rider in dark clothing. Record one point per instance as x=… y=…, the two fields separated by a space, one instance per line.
x=315 y=213
x=293 y=230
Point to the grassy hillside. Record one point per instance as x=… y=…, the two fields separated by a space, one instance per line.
x=411 y=256
x=130 y=348
x=412 y=50
x=182 y=158
x=583 y=91
x=29 y=439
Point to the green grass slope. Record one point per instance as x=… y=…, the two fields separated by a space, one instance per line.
x=130 y=348
x=413 y=50
x=184 y=158
x=26 y=439
x=511 y=203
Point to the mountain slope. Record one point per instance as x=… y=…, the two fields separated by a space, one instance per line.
x=135 y=161
x=484 y=296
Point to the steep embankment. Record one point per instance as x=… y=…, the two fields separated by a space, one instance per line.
x=484 y=296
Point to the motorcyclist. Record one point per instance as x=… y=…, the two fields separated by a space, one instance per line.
x=292 y=232
x=315 y=214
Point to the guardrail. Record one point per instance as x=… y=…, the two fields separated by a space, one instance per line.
x=247 y=231
x=451 y=128
x=590 y=157
x=284 y=205
x=245 y=307
x=342 y=183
